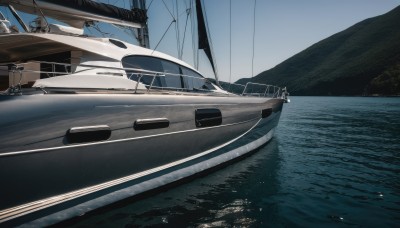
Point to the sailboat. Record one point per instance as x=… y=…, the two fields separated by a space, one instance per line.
x=87 y=121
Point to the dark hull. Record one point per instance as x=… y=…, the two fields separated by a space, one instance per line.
x=49 y=179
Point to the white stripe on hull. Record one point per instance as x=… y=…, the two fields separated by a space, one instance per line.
x=149 y=184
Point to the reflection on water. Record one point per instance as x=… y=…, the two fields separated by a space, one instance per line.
x=221 y=198
x=333 y=161
x=340 y=161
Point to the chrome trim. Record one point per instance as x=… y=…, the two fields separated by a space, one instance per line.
x=150 y=124
x=153 y=120
x=74 y=130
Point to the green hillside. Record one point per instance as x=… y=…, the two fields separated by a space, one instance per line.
x=361 y=60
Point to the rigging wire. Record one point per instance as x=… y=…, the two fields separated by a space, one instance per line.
x=125 y=30
x=172 y=15
x=173 y=20
x=191 y=28
x=254 y=34
x=230 y=45
x=192 y=24
x=116 y=2
x=162 y=36
x=178 y=41
x=184 y=33
x=149 y=5
x=98 y=29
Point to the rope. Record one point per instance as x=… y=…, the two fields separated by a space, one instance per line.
x=254 y=34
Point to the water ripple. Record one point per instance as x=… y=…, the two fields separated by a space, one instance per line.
x=334 y=161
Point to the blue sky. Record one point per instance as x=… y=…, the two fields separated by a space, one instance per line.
x=282 y=29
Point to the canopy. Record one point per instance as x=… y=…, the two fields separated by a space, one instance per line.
x=76 y=12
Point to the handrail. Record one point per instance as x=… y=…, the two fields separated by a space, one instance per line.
x=137 y=84
x=190 y=82
x=97 y=66
x=152 y=81
x=275 y=94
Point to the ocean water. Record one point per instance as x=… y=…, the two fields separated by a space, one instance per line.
x=333 y=162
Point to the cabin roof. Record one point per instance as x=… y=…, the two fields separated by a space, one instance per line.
x=23 y=46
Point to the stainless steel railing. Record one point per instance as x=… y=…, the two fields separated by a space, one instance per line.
x=152 y=80
x=253 y=89
x=275 y=91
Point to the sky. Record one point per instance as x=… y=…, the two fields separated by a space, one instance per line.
x=283 y=28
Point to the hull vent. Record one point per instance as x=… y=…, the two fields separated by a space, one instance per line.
x=208 y=117
x=88 y=134
x=148 y=124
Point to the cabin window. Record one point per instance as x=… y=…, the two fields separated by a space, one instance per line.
x=144 y=63
x=194 y=81
x=172 y=75
x=172 y=72
x=48 y=69
x=32 y=69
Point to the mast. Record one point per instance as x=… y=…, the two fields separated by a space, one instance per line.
x=204 y=39
x=143 y=31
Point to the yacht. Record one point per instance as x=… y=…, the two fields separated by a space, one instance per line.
x=86 y=121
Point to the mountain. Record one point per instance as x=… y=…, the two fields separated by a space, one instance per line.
x=361 y=60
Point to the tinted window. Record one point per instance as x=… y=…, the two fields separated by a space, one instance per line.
x=194 y=81
x=172 y=74
x=172 y=77
x=144 y=63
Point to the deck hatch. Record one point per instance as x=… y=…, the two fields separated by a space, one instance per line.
x=88 y=134
x=208 y=117
x=118 y=43
x=266 y=112
x=148 y=124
